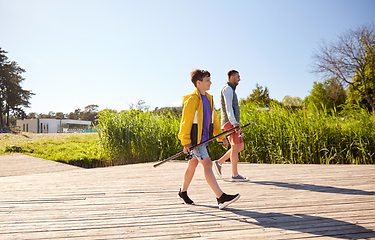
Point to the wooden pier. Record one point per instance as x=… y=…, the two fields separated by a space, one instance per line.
x=41 y=199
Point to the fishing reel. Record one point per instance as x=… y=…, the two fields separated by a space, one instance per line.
x=189 y=156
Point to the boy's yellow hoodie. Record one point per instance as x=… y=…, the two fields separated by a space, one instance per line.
x=192 y=119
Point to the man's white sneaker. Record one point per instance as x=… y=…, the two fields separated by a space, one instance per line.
x=218 y=168
x=239 y=178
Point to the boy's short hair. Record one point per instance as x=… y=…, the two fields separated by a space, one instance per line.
x=198 y=75
x=232 y=73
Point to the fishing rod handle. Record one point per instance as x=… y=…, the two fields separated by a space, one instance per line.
x=169 y=159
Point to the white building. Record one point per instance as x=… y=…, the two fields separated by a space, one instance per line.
x=46 y=125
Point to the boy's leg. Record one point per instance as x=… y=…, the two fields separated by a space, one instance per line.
x=210 y=177
x=223 y=199
x=189 y=174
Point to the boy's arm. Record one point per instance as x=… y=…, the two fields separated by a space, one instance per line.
x=217 y=128
x=187 y=121
x=228 y=98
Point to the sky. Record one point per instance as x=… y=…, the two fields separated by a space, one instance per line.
x=114 y=53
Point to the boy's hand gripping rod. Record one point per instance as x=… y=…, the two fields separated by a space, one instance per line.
x=200 y=144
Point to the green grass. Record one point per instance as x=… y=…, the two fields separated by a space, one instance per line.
x=81 y=149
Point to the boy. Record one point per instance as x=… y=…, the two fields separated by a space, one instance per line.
x=199 y=122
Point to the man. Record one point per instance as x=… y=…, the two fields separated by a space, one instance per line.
x=230 y=117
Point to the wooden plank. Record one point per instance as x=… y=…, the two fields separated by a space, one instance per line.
x=139 y=201
x=18 y=164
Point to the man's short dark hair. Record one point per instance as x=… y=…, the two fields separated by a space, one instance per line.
x=198 y=75
x=232 y=73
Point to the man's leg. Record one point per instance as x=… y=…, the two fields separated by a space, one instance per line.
x=233 y=155
x=225 y=157
x=236 y=148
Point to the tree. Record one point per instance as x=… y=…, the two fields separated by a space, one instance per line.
x=330 y=94
x=59 y=115
x=140 y=106
x=351 y=60
x=32 y=115
x=90 y=113
x=75 y=115
x=260 y=96
x=50 y=115
x=354 y=97
x=177 y=111
x=291 y=101
x=12 y=96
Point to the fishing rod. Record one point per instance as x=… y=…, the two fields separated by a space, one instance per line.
x=200 y=144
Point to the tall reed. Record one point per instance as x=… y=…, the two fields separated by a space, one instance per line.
x=283 y=136
x=278 y=136
x=135 y=136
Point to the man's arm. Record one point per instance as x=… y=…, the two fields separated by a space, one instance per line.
x=228 y=98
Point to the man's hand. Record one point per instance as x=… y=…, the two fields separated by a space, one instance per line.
x=225 y=142
x=187 y=148
x=238 y=130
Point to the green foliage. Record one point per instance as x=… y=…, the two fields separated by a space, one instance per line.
x=135 y=136
x=280 y=136
x=291 y=101
x=12 y=96
x=329 y=94
x=351 y=60
x=355 y=96
x=88 y=114
x=72 y=115
x=12 y=149
x=177 y=111
x=260 y=96
x=140 y=106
